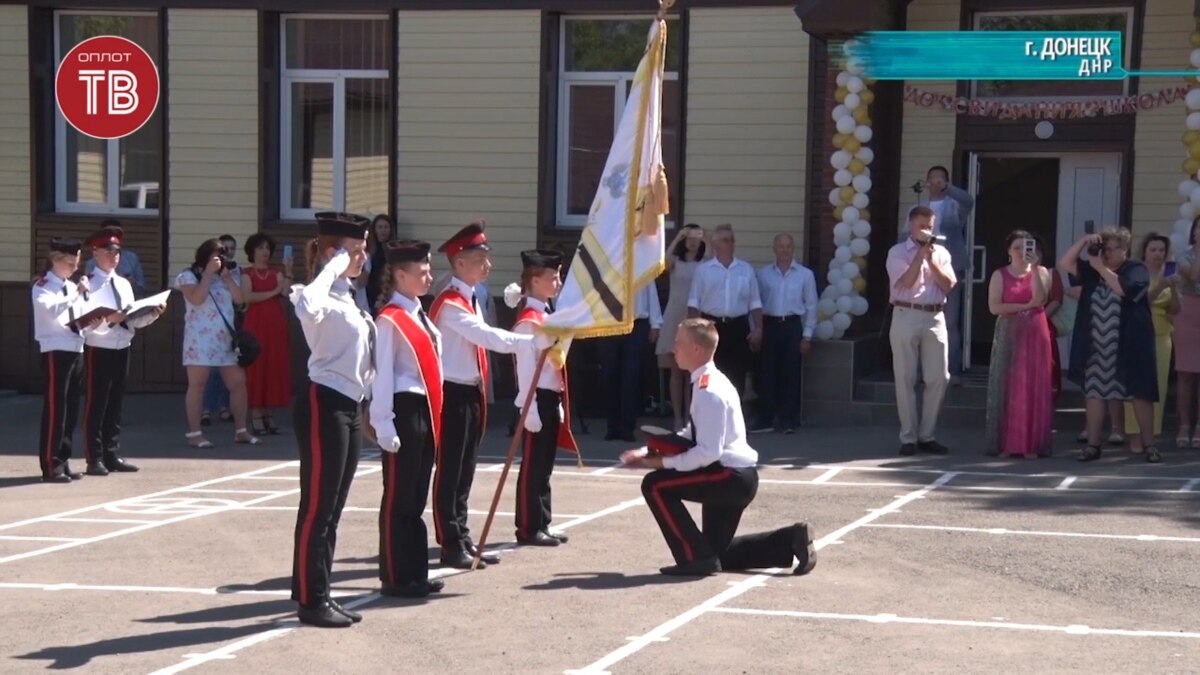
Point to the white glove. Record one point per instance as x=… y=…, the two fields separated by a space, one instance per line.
x=512 y=295
x=543 y=340
x=392 y=445
x=533 y=421
x=339 y=263
x=561 y=417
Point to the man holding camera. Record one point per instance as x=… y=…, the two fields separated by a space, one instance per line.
x=921 y=275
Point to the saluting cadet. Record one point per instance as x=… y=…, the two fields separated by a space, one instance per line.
x=328 y=416
x=547 y=424
x=466 y=337
x=106 y=355
x=406 y=413
x=718 y=472
x=58 y=303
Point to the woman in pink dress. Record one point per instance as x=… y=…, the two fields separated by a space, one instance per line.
x=268 y=379
x=1020 y=411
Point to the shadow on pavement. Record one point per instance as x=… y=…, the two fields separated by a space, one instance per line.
x=607 y=581
x=77 y=656
x=274 y=609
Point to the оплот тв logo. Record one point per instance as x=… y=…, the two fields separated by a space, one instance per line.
x=107 y=87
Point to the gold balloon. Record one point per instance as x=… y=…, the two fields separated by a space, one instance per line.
x=859 y=260
x=857 y=166
x=1190 y=166
x=866 y=96
x=852 y=145
x=839 y=140
x=864 y=214
x=1191 y=137
x=840 y=94
x=860 y=284
x=837 y=213
x=847 y=194
x=861 y=116
x=1194 y=150
x=1195 y=38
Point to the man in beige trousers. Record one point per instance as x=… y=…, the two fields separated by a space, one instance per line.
x=921 y=273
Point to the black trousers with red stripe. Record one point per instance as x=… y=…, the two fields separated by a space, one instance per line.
x=60 y=409
x=537 y=463
x=328 y=429
x=403 y=538
x=723 y=494
x=106 y=371
x=462 y=419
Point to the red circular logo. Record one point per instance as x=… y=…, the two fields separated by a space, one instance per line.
x=107 y=87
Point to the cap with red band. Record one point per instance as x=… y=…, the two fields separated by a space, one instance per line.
x=468 y=238
x=106 y=237
x=667 y=445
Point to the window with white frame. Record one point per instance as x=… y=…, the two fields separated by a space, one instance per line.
x=334 y=115
x=1116 y=19
x=597 y=61
x=93 y=175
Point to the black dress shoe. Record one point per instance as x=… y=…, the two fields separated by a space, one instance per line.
x=119 y=465
x=487 y=557
x=562 y=538
x=96 y=469
x=56 y=478
x=348 y=613
x=538 y=539
x=933 y=448
x=413 y=589
x=73 y=475
x=908 y=449
x=323 y=616
x=701 y=567
x=460 y=559
x=802 y=546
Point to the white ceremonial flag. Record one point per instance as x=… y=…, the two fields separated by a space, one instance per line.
x=621 y=249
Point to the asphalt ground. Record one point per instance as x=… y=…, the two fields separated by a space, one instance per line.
x=926 y=565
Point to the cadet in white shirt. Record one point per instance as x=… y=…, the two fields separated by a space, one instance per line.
x=466 y=338
x=789 y=297
x=622 y=358
x=725 y=291
x=406 y=413
x=58 y=302
x=328 y=415
x=548 y=422
x=718 y=472
x=106 y=354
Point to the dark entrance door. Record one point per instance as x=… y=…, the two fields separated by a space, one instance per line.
x=1015 y=193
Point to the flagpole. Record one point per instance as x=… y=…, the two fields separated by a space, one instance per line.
x=512 y=453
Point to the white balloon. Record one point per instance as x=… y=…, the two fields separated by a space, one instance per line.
x=1195 y=59
x=1193 y=121
x=1178 y=242
x=1193 y=97
x=863 y=133
x=840 y=159
x=847 y=124
x=834 y=275
x=845 y=303
x=860 y=201
x=827 y=307
x=842 y=229
x=842 y=177
x=848 y=46
x=860 y=247
x=849 y=217
x=867 y=155
x=1195 y=197
x=852 y=101
x=835 y=197
x=854 y=65
x=824 y=330
x=860 y=306
x=1182 y=227
x=842 y=254
x=855 y=84
x=840 y=111
x=862 y=183
x=845 y=286
x=850 y=270
x=842 y=78
x=861 y=229
x=840 y=321
x=841 y=239
x=1188 y=185
x=1186 y=210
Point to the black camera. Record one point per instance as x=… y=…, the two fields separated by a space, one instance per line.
x=228 y=263
x=1094 y=250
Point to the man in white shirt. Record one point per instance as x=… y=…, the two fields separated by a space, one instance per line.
x=718 y=471
x=130 y=267
x=622 y=358
x=789 y=297
x=725 y=291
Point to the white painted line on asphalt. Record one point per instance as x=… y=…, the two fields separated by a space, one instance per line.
x=287 y=626
x=1038 y=533
x=127 y=521
x=17 y=537
x=601 y=666
x=375 y=509
x=1066 y=483
x=827 y=476
x=223 y=491
x=291 y=478
x=1074 y=629
x=1002 y=474
x=153 y=589
x=1187 y=487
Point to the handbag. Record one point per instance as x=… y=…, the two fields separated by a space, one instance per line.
x=1063 y=320
x=245 y=345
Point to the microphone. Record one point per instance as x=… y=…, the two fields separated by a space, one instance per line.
x=76 y=278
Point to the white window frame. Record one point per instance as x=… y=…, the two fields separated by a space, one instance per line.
x=290 y=76
x=1126 y=40
x=618 y=79
x=112 y=169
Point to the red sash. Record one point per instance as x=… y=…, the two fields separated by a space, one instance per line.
x=452 y=296
x=428 y=363
x=566 y=440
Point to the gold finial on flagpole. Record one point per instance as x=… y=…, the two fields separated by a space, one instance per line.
x=663 y=6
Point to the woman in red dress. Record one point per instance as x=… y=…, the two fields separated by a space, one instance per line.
x=268 y=379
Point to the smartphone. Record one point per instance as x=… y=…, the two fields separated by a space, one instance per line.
x=1030 y=249
x=1089 y=227
x=1170 y=269
x=287 y=251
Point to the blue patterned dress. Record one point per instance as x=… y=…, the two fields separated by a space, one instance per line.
x=1100 y=377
